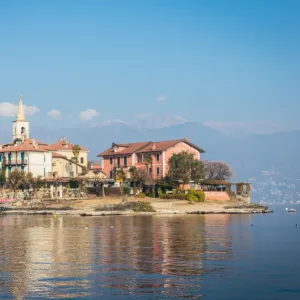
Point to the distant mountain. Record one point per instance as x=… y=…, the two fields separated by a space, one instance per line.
x=248 y=155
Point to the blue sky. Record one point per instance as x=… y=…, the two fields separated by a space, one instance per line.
x=222 y=63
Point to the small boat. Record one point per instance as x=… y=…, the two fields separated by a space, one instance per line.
x=292 y=210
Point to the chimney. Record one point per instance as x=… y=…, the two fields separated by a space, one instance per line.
x=153 y=146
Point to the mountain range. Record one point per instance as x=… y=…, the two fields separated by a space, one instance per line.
x=248 y=155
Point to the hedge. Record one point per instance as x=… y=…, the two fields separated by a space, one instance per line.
x=176 y=196
x=196 y=195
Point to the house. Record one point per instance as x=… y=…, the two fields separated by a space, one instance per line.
x=64 y=167
x=135 y=154
x=28 y=155
x=65 y=148
x=41 y=159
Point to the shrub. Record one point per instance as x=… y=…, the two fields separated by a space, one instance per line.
x=171 y=196
x=196 y=195
x=142 y=206
x=126 y=190
x=116 y=207
x=193 y=198
x=140 y=195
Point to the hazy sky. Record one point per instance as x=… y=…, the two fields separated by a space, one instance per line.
x=222 y=63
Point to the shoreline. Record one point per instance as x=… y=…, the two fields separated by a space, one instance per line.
x=91 y=213
x=114 y=206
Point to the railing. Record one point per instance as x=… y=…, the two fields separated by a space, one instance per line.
x=14 y=161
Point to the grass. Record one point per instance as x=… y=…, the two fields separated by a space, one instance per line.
x=247 y=206
x=140 y=206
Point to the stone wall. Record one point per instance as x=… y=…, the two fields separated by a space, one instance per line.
x=43 y=194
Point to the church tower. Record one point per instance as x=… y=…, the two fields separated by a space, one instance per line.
x=20 y=125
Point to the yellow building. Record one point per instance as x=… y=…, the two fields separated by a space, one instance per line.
x=65 y=148
x=64 y=167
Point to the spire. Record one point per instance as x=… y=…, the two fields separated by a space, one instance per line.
x=20 y=115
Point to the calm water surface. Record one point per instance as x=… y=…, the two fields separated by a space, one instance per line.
x=151 y=257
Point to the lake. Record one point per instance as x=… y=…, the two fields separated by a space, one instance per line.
x=151 y=257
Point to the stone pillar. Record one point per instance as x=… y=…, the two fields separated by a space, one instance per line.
x=60 y=191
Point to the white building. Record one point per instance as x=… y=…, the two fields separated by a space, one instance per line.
x=30 y=155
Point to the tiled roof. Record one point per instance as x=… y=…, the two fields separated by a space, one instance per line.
x=58 y=155
x=129 y=148
x=27 y=145
x=96 y=167
x=164 y=145
x=63 y=144
x=144 y=147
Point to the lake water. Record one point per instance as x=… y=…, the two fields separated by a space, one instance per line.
x=151 y=257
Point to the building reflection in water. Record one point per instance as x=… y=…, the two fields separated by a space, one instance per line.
x=58 y=258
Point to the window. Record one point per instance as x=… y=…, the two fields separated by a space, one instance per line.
x=157 y=171
x=157 y=157
x=125 y=161
x=111 y=174
x=118 y=161
x=150 y=170
x=81 y=160
x=0 y=158
x=111 y=160
x=142 y=157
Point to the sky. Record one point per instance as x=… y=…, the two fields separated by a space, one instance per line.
x=227 y=64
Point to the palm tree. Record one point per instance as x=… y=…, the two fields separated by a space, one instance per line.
x=120 y=176
x=147 y=161
x=76 y=151
x=134 y=177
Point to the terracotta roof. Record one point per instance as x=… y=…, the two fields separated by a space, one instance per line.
x=144 y=147
x=164 y=145
x=129 y=148
x=96 y=167
x=58 y=155
x=38 y=142
x=27 y=145
x=63 y=144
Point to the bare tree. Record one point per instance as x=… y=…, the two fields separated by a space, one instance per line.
x=217 y=170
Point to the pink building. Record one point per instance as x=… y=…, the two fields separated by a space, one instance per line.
x=133 y=154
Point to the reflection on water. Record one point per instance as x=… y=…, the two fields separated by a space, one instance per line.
x=140 y=257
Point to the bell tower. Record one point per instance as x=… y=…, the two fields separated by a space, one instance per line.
x=20 y=125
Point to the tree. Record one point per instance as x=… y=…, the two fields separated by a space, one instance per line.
x=32 y=182
x=15 y=179
x=147 y=160
x=183 y=168
x=3 y=172
x=120 y=176
x=134 y=177
x=76 y=151
x=217 y=170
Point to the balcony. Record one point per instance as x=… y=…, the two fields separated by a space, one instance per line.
x=15 y=162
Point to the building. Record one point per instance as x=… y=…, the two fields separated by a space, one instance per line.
x=65 y=148
x=137 y=155
x=41 y=159
x=64 y=167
